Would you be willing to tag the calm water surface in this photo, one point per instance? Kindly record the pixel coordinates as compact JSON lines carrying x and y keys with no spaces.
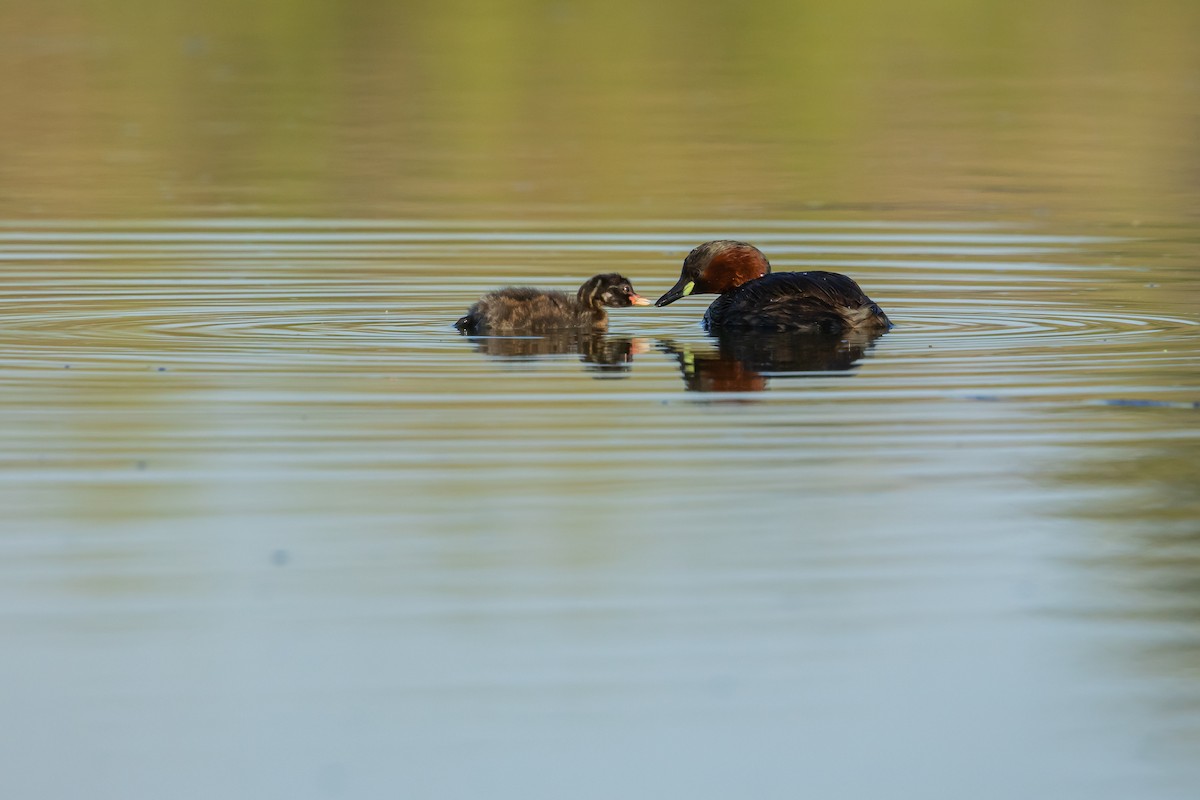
{"x":273,"y":528}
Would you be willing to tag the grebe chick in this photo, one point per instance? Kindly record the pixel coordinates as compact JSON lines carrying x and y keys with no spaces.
{"x":521,"y":310}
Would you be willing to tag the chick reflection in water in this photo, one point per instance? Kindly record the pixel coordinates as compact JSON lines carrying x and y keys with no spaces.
{"x":743,"y":361}
{"x":611,"y":355}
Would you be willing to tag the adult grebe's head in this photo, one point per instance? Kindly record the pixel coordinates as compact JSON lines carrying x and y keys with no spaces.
{"x":717,"y":267}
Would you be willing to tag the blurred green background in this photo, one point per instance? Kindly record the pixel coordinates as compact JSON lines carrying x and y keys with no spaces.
{"x":1085,"y":110}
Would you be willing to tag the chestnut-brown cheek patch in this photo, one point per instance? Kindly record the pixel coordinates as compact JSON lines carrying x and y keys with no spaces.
{"x":732,"y":269}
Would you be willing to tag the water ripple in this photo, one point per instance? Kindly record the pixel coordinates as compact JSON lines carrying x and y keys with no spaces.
{"x":998,"y":323}
{"x":328,"y":295}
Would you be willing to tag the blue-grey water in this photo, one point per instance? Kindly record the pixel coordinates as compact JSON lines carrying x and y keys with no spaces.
{"x":273,"y":529}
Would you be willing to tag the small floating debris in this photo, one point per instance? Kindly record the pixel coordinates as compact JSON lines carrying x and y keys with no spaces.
{"x":1129,"y":402}
{"x":1115,"y":402}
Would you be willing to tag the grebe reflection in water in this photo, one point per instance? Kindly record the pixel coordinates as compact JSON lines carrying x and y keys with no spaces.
{"x":743,"y":361}
{"x":600,"y":352}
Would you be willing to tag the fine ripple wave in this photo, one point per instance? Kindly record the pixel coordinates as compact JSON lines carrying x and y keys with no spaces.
{"x":346,"y":295}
